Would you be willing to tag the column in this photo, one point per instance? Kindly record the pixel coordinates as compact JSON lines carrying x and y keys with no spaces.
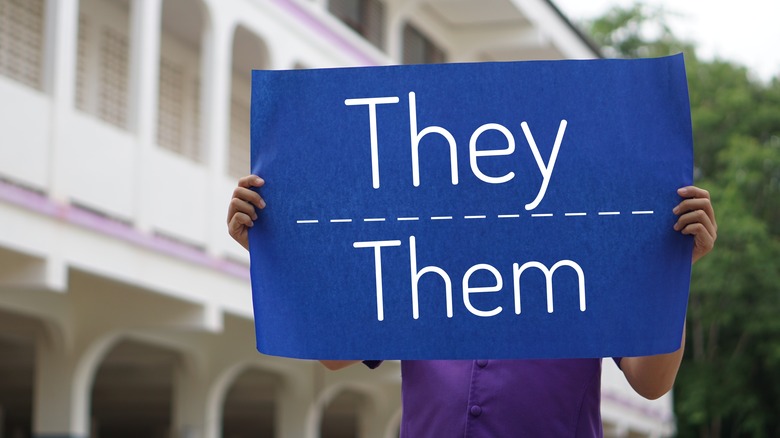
{"x":189,"y":405}
{"x":397,"y":13}
{"x":145,"y":28}
{"x":294,"y":403}
{"x":61,"y":30}
{"x":59,"y":410}
{"x":216,"y":68}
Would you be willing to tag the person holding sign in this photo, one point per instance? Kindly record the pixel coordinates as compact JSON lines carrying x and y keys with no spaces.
{"x":506,"y":398}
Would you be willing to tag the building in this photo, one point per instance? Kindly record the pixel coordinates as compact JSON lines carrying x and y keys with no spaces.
{"x":125,"y":308}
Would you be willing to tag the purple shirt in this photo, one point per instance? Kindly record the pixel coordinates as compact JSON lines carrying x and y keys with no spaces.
{"x":501,"y":398}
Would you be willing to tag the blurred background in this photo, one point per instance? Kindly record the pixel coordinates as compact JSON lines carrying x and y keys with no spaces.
{"x":125,"y":309}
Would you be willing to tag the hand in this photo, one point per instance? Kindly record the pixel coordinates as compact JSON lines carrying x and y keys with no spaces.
{"x":241,"y":212}
{"x":697,"y":218}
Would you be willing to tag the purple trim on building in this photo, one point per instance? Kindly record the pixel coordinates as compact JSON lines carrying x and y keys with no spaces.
{"x":307,"y":19}
{"x":627,"y":403}
{"x":39,"y":203}
{"x":58,"y":436}
{"x":64,"y":435}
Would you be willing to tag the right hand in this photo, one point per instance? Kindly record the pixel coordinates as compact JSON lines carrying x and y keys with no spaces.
{"x":241,"y":212}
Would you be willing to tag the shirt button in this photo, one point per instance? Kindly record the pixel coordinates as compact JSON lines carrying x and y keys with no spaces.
{"x":482,"y":363}
{"x":476,"y":411}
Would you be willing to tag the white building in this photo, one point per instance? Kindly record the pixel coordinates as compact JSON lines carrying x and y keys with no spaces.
{"x":125,"y":309}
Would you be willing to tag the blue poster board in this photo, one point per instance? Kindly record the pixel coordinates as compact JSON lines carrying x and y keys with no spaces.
{"x":461,"y":211}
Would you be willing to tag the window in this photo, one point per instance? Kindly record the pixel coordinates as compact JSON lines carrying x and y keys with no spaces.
{"x":365,"y":17}
{"x":22,"y":41}
{"x":102,"y":68}
{"x":178,"y":121}
{"x":420,"y":50}
{"x":113,"y":79}
{"x":82,"y":100}
{"x":238,"y":158}
{"x":170,"y":122}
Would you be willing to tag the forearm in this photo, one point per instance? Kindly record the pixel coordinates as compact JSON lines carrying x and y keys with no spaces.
{"x":653,"y":376}
{"x":334,"y":365}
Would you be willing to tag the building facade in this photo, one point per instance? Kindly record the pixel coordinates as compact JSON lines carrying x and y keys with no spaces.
{"x":125,"y":308}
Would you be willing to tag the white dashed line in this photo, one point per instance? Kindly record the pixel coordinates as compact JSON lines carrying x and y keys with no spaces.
{"x":480,"y":216}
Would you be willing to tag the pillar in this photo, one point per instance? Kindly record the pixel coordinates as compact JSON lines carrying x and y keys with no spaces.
{"x":216,"y":68}
{"x":145,"y":29}
{"x":61,"y":38}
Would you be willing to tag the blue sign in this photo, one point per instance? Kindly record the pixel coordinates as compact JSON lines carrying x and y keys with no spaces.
{"x":461,"y":211}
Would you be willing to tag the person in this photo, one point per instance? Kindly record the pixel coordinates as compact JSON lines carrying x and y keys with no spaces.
{"x":510,"y":398}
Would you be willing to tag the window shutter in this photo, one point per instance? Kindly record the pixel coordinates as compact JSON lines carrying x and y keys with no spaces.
{"x":374,"y":22}
{"x":82,"y":63}
{"x":238,"y":159}
{"x":22,"y":41}
{"x":418,"y":49}
{"x":171,"y":106}
{"x":365,"y":17}
{"x":112,"y":106}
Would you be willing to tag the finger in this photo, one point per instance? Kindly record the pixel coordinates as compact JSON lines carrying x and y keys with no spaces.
{"x":700,"y":199}
{"x":239,"y":206}
{"x":693,"y":192}
{"x":703,"y":240}
{"x":237,"y":228}
{"x":250,"y":196}
{"x":238,"y":223}
{"x":693,"y":204}
{"x":251,"y":181}
{"x":696,"y":217}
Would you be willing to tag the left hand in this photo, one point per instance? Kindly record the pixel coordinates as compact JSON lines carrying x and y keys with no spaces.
{"x":696,"y":217}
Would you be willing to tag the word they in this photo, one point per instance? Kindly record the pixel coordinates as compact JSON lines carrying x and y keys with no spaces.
{"x":474,"y":154}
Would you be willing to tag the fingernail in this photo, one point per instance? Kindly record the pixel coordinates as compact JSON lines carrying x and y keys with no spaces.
{"x":675,"y":210}
{"x":262,"y":204}
{"x":682,"y":191}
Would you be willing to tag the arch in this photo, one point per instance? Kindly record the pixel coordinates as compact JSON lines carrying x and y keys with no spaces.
{"x":19,"y":335}
{"x":316,"y":409}
{"x":342,"y":416}
{"x":222,"y":383}
{"x":133,"y":390}
{"x":95,"y":353}
{"x":83,"y":376}
{"x":251,"y":404}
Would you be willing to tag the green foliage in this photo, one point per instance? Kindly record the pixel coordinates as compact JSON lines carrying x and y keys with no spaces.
{"x":624,"y":33}
{"x":729,"y":382}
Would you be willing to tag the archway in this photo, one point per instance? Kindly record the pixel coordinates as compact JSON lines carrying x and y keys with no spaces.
{"x":132,"y":392}
{"x":250,"y":407}
{"x":341,"y":417}
{"x":17,"y":373}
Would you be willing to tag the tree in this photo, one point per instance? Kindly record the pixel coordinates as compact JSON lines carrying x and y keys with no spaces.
{"x":729,"y":382}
